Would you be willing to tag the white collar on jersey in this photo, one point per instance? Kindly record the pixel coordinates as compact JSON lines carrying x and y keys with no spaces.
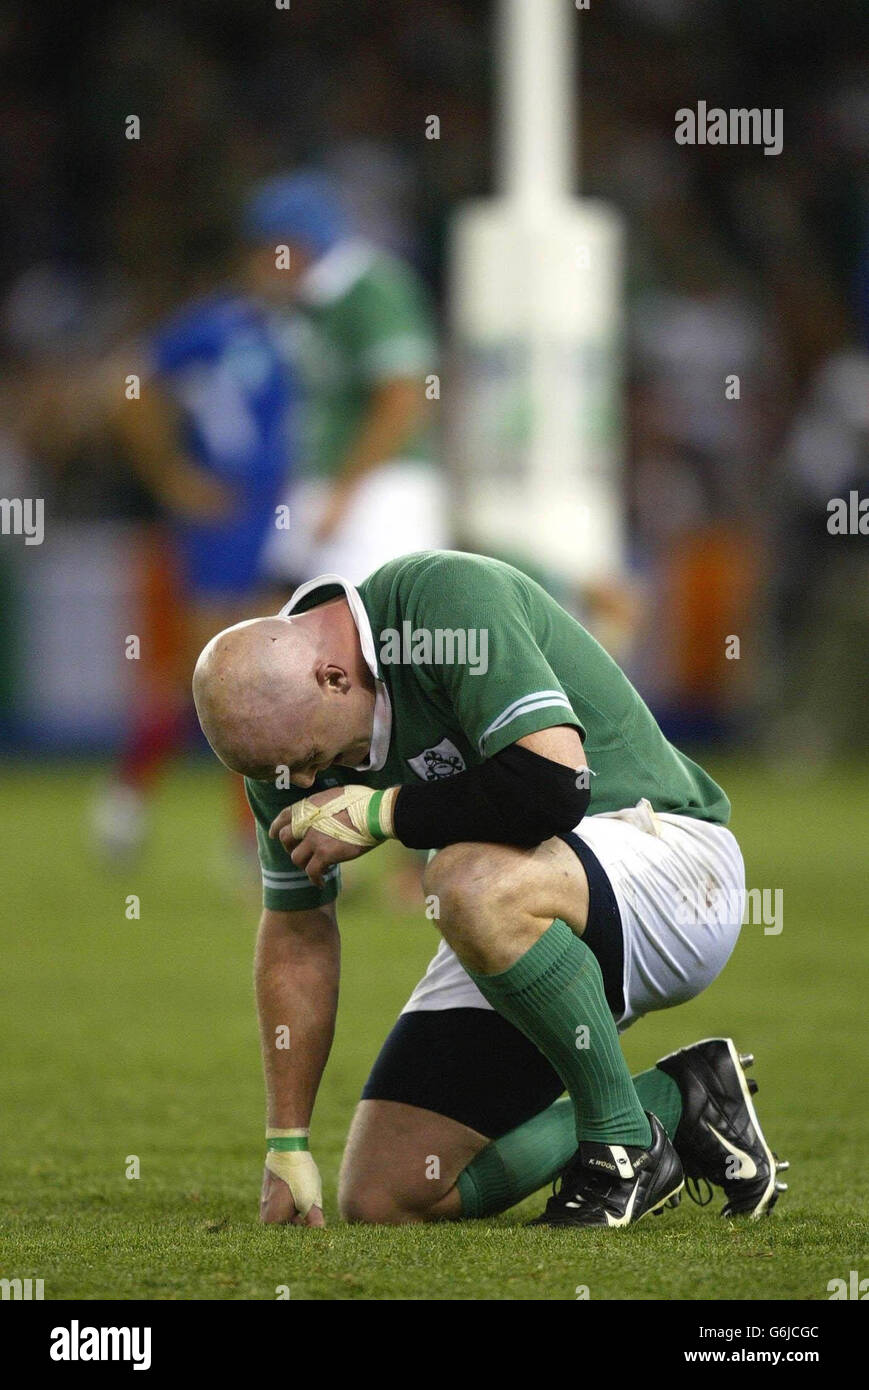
{"x":381,"y":732}
{"x":336,"y":272}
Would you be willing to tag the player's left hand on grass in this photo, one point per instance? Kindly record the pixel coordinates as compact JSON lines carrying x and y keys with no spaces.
{"x":280,"y":1204}
{"x":313,"y":848}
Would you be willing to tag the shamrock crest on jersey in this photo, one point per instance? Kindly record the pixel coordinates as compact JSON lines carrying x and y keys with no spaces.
{"x":441,"y":761}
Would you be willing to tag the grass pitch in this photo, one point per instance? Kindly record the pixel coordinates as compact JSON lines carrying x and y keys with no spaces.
{"x":125,"y":1037}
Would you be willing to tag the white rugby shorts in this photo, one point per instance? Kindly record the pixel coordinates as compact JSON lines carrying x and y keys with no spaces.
{"x":397,"y":508}
{"x":680,"y":888}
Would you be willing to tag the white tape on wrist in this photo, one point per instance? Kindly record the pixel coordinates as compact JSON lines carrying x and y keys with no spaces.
{"x":356,"y":801}
{"x":299,"y":1171}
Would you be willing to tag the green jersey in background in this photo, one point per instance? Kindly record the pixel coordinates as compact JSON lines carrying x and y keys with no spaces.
{"x":364,"y":319}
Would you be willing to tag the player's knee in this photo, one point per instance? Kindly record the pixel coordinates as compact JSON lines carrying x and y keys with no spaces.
{"x":467,"y":879}
{"x":369,"y":1208}
{"x":373,"y":1204}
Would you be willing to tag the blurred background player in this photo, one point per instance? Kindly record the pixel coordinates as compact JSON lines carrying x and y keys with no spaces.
{"x":209,"y":436}
{"x":736,"y":265}
{"x":367,"y":487}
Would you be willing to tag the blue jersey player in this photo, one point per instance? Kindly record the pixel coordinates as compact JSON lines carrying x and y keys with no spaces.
{"x":211,"y":436}
{"x":217,"y":362}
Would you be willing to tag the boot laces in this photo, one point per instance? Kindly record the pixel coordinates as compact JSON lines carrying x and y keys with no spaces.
{"x":596,"y":1187}
{"x":692,"y":1187}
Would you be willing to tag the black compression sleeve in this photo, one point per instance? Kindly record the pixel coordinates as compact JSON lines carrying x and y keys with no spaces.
{"x":515,"y":798}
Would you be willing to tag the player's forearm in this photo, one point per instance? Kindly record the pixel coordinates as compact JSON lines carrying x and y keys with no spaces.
{"x":523,"y":795}
{"x":296,"y":972}
{"x":149,"y":430}
{"x":394,"y":414}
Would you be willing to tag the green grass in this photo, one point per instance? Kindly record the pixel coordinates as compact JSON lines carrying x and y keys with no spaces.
{"x":128,"y":1037}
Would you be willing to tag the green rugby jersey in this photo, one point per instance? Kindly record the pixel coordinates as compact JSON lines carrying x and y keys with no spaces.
{"x":470,"y":655}
{"x":365,"y":319}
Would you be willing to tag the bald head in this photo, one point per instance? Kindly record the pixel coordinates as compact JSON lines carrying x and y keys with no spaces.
{"x":273,"y":692}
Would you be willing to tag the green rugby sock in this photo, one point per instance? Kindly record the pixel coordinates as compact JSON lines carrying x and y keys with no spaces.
{"x":519,"y":1163}
{"x":659,"y":1093}
{"x":554,"y":995}
{"x":512,"y":1167}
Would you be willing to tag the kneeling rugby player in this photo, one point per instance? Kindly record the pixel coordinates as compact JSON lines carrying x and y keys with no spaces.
{"x":569,"y":835}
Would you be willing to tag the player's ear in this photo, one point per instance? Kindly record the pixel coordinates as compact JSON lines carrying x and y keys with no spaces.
{"x":332,"y":678}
